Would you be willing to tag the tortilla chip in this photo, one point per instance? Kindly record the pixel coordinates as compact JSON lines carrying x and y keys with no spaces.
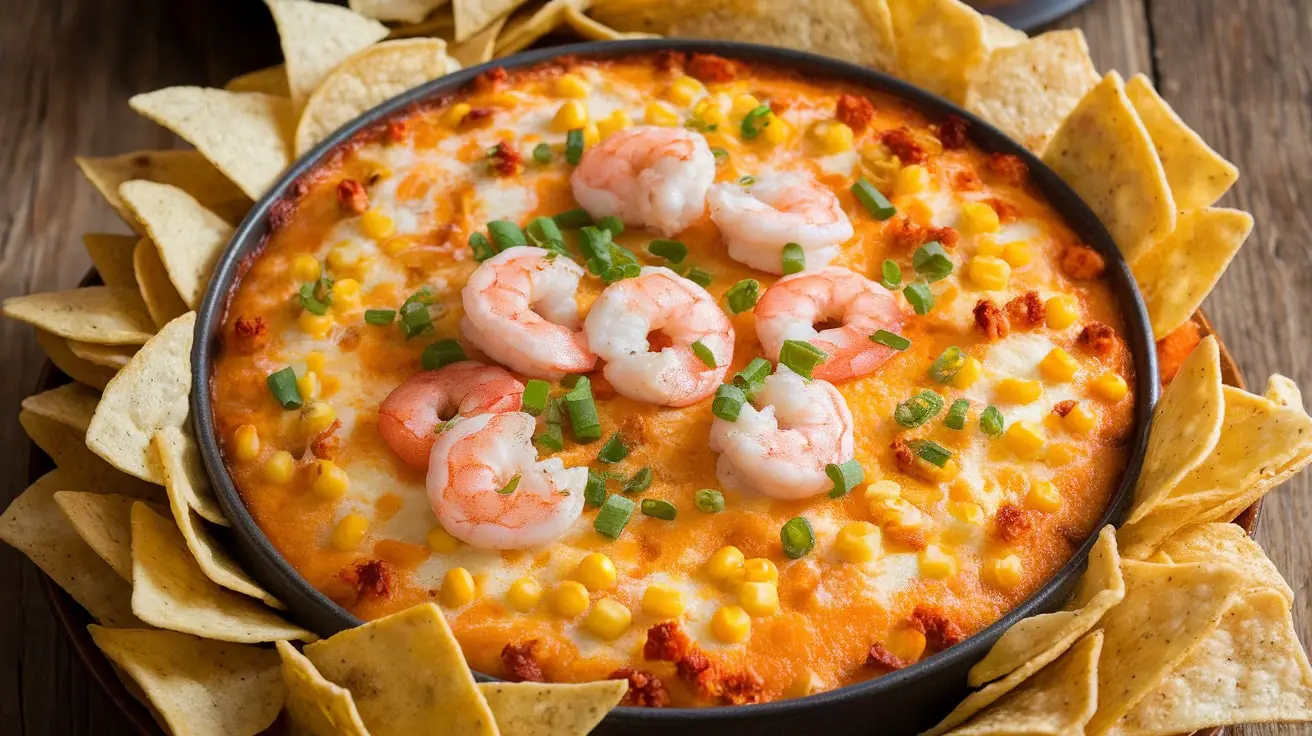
{"x":186,"y":170}
{"x":113,"y":357}
{"x":1104,"y":153}
{"x":549,"y":709}
{"x":107,"y":315}
{"x":157,"y":291}
{"x":79,"y":369}
{"x":149,"y":394}
{"x":999,"y":35}
{"x":1058,"y":700}
{"x":407,"y":675}
{"x":1028,"y":89}
{"x":526,"y":27}
{"x":478,"y":48}
{"x":104,"y":522}
{"x":592,"y":30}
{"x":188,"y":236}
{"x":439,"y":23}
{"x":246,"y":135}
{"x":404,"y":11}
{"x":1230,"y":544}
{"x":1198,"y":175}
{"x":34,"y":525}
{"x":1186,"y":425}
{"x":315,"y":38}
{"x":473,"y":16}
{"x":1177,"y":272}
{"x":271,"y":80}
{"x":1250,"y":669}
{"x":315,"y":705}
{"x":169,"y":590}
{"x":1283,"y":391}
{"x":184,"y":474}
{"x":111,"y":255}
{"x":198,"y":687}
{"x":940,"y":44}
{"x":83,"y":469}
{"x":367,"y":79}
{"x":71,"y":404}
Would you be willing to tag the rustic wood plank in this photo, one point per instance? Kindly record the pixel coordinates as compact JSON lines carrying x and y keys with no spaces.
{"x":1118,"y":34}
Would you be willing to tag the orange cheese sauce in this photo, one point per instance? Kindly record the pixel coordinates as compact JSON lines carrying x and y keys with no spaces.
{"x":431,"y":187}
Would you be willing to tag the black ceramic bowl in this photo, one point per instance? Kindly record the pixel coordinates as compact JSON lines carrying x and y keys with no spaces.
{"x":903,"y":702}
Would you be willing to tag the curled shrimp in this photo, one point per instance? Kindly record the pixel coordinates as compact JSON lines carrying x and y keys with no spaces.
{"x":520,"y":310}
{"x":781,"y":449}
{"x":792,"y":307}
{"x":778,"y":208}
{"x":408,"y":418}
{"x":658,"y":300}
{"x":648,"y":176}
{"x":488,"y":488}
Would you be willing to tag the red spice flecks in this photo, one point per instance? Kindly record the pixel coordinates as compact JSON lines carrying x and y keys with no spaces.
{"x":1062,"y":408}
{"x":1012,"y":523}
{"x":1009,"y":168}
{"x":939,"y":630}
{"x":520,"y":662}
{"x":505,"y":159}
{"x":251,"y":333}
{"x":883,"y":660}
{"x":854,"y":111}
{"x":371,"y":579}
{"x":710,"y":68}
{"x":904,"y":145}
{"x":954,"y":132}
{"x":490,"y":80}
{"x":352,"y":198}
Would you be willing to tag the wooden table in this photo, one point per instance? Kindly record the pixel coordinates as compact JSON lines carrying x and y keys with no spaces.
{"x":1236,"y":70}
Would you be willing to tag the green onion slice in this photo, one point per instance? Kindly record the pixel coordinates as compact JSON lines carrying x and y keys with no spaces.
{"x":947,"y":365}
{"x":613,"y":516}
{"x":890,"y":274}
{"x":728,"y":402}
{"x":379,"y":316}
{"x":594,"y":242}
{"x":536,"y":392}
{"x":890,"y":340}
{"x":640,"y":481}
{"x":574,"y":146}
{"x":612,"y":223}
{"x":991,"y":421}
{"x":594,"y":492}
{"x":845,"y":476}
{"x":742,"y":296}
{"x":442,"y":352}
{"x":613,"y":451}
{"x":931,"y":452}
{"x":709,"y":501}
{"x":506,"y":234}
{"x":918,"y":409}
{"x":801,"y":357}
{"x":582,"y":410}
{"x":920,"y":297}
{"x":794,"y":259}
{"x":956,"y":418}
{"x":704,"y":353}
{"x":550,"y":438}
{"x":747,"y":180}
{"x":555,"y":410}
{"x":482,"y":247}
{"x":699,"y":277}
{"x":875,"y":203}
{"x":932,"y":262}
{"x":315,"y":296}
{"x":659,"y":509}
{"x":798,"y":537}
{"x":721,"y":155}
{"x":573,"y":219}
{"x":542,"y":153}
{"x":510,"y":487}
{"x":750,"y":378}
{"x":282,"y":384}
{"x":543,"y":232}
{"x":756,"y":121}
{"x":671,"y":250}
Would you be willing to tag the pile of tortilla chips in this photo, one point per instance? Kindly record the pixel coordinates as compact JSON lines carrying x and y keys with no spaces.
{"x":1180,"y":622}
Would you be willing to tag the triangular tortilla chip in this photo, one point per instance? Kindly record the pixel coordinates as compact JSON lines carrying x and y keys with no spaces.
{"x":79,"y":369}
{"x":585,"y":27}
{"x":111,"y":255}
{"x":550,"y":709}
{"x":186,"y":170}
{"x":113,"y":357}
{"x":198,"y":687}
{"x":439,"y":23}
{"x":1177,"y":272}
{"x":1197,"y":174}
{"x":246,"y":135}
{"x":184,"y":474}
{"x":524,"y":28}
{"x":188,"y":236}
{"x":1230,"y":544}
{"x":162,"y":299}
{"x":473,"y":16}
{"x":71,"y":404}
{"x":315,"y":38}
{"x":101,"y":314}
{"x":315,"y":705}
{"x":940,"y":44}
{"x":66,"y":445}
{"x":404,"y":11}
{"x":999,"y":35}
{"x":271,"y":80}
{"x":1104,"y":153}
{"x":104,"y":522}
{"x":1283,"y":391}
{"x":479,"y":47}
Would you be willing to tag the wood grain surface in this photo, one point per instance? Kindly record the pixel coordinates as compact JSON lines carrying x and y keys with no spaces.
{"x":1237,"y":70}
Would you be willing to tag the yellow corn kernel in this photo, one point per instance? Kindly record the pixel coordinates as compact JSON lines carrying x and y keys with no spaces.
{"x":931,"y":473}
{"x":966,"y":511}
{"x":968,"y":374}
{"x":591,"y":134}
{"x":376,"y":224}
{"x":595,"y":571}
{"x":912,"y":179}
{"x":759,"y":599}
{"x":524,"y":594}
{"x":613,"y":123}
{"x":897,"y":513}
{"x":662,"y":601}
{"x":306,"y":268}
{"x":1018,"y":391}
{"x":987,"y":245}
{"x":503,"y":99}
{"x":709,"y":111}
{"x":906,"y":643}
{"x":979,"y":217}
{"x":760,"y":570}
{"x":1059,"y":454}
{"x":315,"y":325}
{"x":572,"y":85}
{"x":457,"y":588}
{"x":349,"y":532}
{"x":1018,"y":253}
{"x":858,"y":541}
{"x":440,"y":541}
{"x":346,"y":289}
{"x":569,"y":599}
{"x":279,"y":467}
{"x":1061,"y":311}
{"x":1058,"y":366}
{"x":882,"y":490}
{"x":731,"y":624}
{"x":937,"y":564}
{"x":316,"y":417}
{"x":684,"y":90}
{"x":456,"y":113}
{"x":659,"y":113}
{"x":572,"y":114}
{"x":1023,"y":439}
{"x":989,"y":273}
{"x":608,"y":619}
{"x":330,"y":481}
{"x":398,"y":244}
{"x":1108,"y":387}
{"x":308,"y":385}
{"x":1004,"y":572}
{"x":726,"y":564}
{"x":776,"y":131}
{"x":246,"y":443}
{"x":1079,"y":420}
{"x":804,"y":683}
{"x":315,"y":361}
{"x":743,"y":104}
{"x":344,"y":256}
{"x":1043,"y":496}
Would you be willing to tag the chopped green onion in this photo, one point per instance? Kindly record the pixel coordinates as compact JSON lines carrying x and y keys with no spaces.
{"x":555,"y":410}
{"x":991,"y":421}
{"x":612,"y":223}
{"x":794,"y":259}
{"x":931,"y":452}
{"x":510,"y":487}
{"x":700,"y":125}
{"x":918,"y":409}
{"x":704,"y":353}
{"x":797,"y":537}
{"x":728,"y":402}
{"x":698,"y":276}
{"x":891,"y":274}
{"x":582,"y":410}
{"x":542,"y":153}
{"x":920,"y":297}
{"x":721,"y":155}
{"x":380,"y":316}
{"x":574,"y":146}
{"x":536,"y":392}
{"x":932,"y":262}
{"x":543,"y":231}
{"x":282,"y":384}
{"x":594,"y":492}
{"x":640,"y":481}
{"x":875,"y":203}
{"x":752,"y":377}
{"x":482,"y":247}
{"x":415,"y":320}
{"x":845,"y":476}
{"x":756,"y":121}
{"x":573,"y":219}
{"x":956,"y":418}
{"x":671,"y":250}
{"x":946,"y":366}
{"x":709,"y":501}
{"x":315,"y":296}
{"x":442,"y":352}
{"x":890,"y":340}
{"x":506,"y":234}
{"x":594,"y":242}
{"x":801,"y":357}
{"x":659,"y":509}
{"x":612,"y":517}
{"x":550,"y":438}
{"x":571,"y":379}
{"x":619,"y":273}
{"x":613,"y":451}
{"x":742,"y":296}
{"x":747,"y":180}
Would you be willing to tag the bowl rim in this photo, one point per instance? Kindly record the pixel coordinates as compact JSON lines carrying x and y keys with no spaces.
{"x":250,"y":235}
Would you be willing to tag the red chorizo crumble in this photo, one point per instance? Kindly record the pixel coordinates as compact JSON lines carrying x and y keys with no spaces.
{"x":352,"y":197}
{"x":490,"y":80}
{"x":741,"y":687}
{"x":710,"y":68}
{"x":1012,"y":523}
{"x":882,"y":659}
{"x":1097,"y":338}
{"x":645,"y":690}
{"x":967,"y":180}
{"x":326,"y":443}
{"x":907,"y":235}
{"x":1062,"y":408}
{"x":251,"y":333}
{"x":904,"y":145}
{"x":1008,"y":167}
{"x":667,"y":642}
{"x":1173,"y":349}
{"x":670,"y":61}
{"x":854,"y":111}
{"x":520,"y":662}
{"x":371,"y":579}
{"x":1007,"y":212}
{"x":477,"y":118}
{"x":1082,"y":263}
{"x":505,"y":159}
{"x":990,"y":320}
{"x":940,"y":631}
{"x":779,"y":106}
{"x":911,"y":537}
{"x":953,"y":132}
{"x":1025,"y":310}
{"x":903,"y":454}
{"x":396,"y":130}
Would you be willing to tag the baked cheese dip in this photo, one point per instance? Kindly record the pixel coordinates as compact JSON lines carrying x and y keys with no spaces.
{"x":736,"y":383}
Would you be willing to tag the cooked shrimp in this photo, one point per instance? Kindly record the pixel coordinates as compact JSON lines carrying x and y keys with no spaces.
{"x":409,"y":416}
{"x":488,"y":488}
{"x":520,"y":310}
{"x":778,"y":208}
{"x":781,"y":449}
{"x":626,"y":314}
{"x":792,"y":307}
{"x":648,"y":176}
